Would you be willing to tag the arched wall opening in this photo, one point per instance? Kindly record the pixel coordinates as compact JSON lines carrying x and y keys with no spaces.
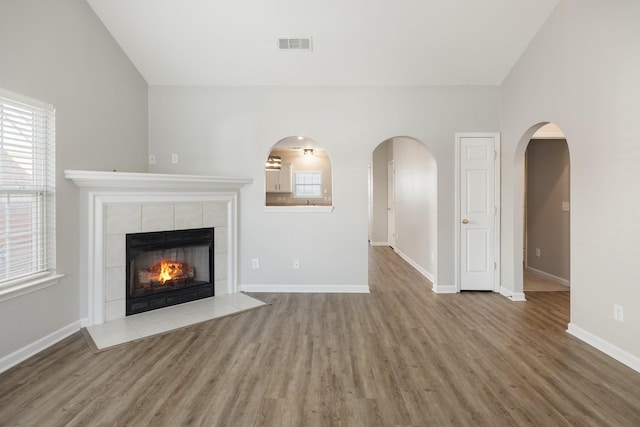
{"x":403,"y":202}
{"x":542,"y":230}
{"x":298,"y":172}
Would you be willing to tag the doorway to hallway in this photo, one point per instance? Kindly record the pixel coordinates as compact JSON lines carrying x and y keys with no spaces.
{"x":546,"y":212}
{"x":403,"y":202}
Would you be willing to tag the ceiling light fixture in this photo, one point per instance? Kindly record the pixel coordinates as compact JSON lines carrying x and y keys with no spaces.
{"x":308,"y":152}
{"x":274,"y":163}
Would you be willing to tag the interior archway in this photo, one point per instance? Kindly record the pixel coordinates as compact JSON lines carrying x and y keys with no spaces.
{"x":298,"y":173}
{"x":403,"y":202}
{"x":543,"y":228}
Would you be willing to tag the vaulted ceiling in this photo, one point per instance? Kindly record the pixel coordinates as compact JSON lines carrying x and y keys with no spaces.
{"x":355,"y":42}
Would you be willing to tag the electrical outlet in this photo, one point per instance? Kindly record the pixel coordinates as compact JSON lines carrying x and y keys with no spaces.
{"x":152,"y":159}
{"x":255,"y":263}
{"x":618,"y":313}
{"x":538,"y":252}
{"x":174,"y":158}
{"x":296,"y":264}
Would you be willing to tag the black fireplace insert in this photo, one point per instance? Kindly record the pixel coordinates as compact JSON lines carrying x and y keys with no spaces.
{"x":168,"y":267}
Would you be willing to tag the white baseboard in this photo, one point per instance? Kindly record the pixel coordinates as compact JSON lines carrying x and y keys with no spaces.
{"x":551,"y":277}
{"x":316,"y":289}
{"x":606,"y":347}
{"x":513,"y":296}
{"x":378,"y":243}
{"x":415,"y":265}
{"x":439,"y":289}
{"x":29,"y":350}
{"x":84,"y":322}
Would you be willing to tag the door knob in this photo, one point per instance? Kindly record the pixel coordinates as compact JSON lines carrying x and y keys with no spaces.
{"x":465,"y":221}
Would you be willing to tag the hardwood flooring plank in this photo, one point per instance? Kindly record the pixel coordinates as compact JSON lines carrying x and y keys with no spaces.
{"x":399,"y":356}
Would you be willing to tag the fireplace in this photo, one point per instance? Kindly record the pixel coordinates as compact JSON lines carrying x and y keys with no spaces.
{"x":114,"y":204}
{"x":168,"y":267}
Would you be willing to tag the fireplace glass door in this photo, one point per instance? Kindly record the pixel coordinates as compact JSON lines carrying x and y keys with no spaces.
{"x":167,"y":268}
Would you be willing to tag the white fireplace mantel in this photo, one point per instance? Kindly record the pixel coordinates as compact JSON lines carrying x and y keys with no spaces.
{"x":147,"y":181}
{"x":99,"y":190}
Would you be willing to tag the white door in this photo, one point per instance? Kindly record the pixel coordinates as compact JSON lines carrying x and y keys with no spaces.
{"x":477,"y":211}
{"x":391,"y":217}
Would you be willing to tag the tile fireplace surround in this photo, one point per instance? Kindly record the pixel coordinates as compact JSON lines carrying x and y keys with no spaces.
{"x":113,"y":204}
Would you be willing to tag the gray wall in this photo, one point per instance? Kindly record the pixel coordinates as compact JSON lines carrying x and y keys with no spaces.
{"x":416,"y":200}
{"x":416,"y":203}
{"x":547,"y":166}
{"x":380,"y":159}
{"x":581,"y":73}
{"x":229,"y":131}
{"x":59,"y":52}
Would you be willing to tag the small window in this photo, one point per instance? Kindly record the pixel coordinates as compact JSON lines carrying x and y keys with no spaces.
{"x":308,"y":184}
{"x":27,"y":190}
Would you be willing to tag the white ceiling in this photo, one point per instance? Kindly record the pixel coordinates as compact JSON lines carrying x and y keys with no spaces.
{"x":355,"y":42}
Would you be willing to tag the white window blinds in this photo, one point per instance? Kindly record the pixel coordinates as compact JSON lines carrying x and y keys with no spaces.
{"x":27,"y":189}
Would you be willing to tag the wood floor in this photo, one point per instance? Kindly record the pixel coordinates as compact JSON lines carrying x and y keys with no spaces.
{"x":400,"y":356}
{"x":538,"y":283}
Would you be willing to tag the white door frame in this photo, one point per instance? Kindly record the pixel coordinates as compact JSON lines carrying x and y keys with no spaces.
{"x":459,"y":136}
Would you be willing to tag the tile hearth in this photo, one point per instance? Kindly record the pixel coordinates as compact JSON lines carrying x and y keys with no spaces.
{"x":131,"y":328}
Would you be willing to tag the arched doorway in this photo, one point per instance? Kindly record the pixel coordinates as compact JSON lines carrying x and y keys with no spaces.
{"x":545,"y":219}
{"x":403,"y":202}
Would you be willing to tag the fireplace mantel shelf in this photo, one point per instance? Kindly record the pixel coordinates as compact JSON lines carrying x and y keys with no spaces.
{"x":137,"y":180}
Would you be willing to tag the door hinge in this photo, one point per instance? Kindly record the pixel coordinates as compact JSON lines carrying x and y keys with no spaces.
{"x":495,"y":210}
{"x":495,"y":265}
{"x":495,"y":154}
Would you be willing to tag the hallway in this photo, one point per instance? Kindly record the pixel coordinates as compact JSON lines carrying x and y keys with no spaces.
{"x":533,"y":282}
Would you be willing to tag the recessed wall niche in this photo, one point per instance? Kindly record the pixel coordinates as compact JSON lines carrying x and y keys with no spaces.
{"x":298,"y":173}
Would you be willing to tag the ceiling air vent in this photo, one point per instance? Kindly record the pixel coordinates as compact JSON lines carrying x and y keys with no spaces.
{"x":295,"y":44}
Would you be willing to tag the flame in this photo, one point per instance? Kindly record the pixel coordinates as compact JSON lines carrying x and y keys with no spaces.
{"x":168,"y":270}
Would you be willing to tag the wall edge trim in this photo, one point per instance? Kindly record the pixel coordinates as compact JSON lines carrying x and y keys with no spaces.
{"x":22,"y":354}
{"x":549,"y":276}
{"x":415,"y":265}
{"x":305,"y":288}
{"x":513,"y":296}
{"x":439,"y":289}
{"x":604,"y":346}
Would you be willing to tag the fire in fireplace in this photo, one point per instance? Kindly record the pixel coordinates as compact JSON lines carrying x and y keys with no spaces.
{"x":165,"y":274}
{"x":168,"y":267}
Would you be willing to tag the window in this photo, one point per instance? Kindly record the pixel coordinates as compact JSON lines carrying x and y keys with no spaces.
{"x":308,"y":184}
{"x":27,"y":192}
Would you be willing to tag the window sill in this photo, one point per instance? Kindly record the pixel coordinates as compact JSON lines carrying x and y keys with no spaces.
{"x":29,"y":286}
{"x":299,"y":209}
